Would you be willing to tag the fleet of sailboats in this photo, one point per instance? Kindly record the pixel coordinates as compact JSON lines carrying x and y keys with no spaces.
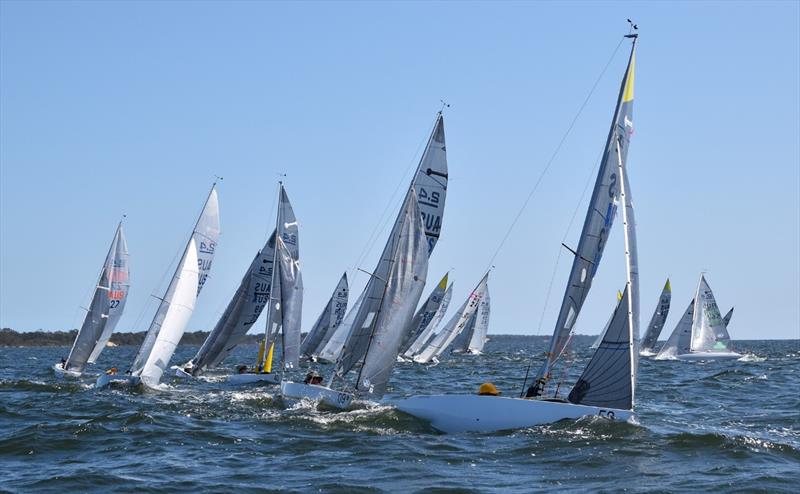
{"x":386,"y":324}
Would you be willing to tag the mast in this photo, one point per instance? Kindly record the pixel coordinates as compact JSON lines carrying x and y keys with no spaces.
{"x":597,"y":224}
{"x":272,"y":298}
{"x":629,"y":274}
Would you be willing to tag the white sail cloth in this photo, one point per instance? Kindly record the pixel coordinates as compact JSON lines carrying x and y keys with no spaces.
{"x":430,"y":328}
{"x":422,"y":318}
{"x":327,"y":322}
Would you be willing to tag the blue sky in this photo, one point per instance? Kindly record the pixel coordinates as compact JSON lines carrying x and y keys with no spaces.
{"x":113,"y":107}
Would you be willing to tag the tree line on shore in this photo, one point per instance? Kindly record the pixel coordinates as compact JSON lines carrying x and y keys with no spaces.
{"x":11,"y":338}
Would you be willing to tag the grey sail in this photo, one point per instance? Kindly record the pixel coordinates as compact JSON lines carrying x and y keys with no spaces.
{"x":727,"y":319}
{"x":455,"y":326}
{"x":657,"y":321}
{"x":292,"y":305}
{"x":118,"y":282}
{"x":328,"y":321}
{"x":205,"y":236}
{"x":429,"y":187}
{"x":597,"y":223}
{"x":404,"y":285}
{"x":330,"y":351}
{"x":708,"y":330}
{"x":680,"y":341}
{"x":425,"y":313}
{"x":461,"y":342}
{"x":92,"y":327}
{"x":481,"y":326}
{"x":431,"y":326}
{"x":241,"y":313}
{"x":606,"y":381}
{"x":286,"y":287}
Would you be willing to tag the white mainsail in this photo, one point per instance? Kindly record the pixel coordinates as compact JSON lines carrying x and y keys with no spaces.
{"x":709,"y":333}
{"x":118,"y":285}
{"x":241,"y":313}
{"x":328,"y":321}
{"x":456,"y":324}
{"x":680,"y":341}
{"x":200,"y":248}
{"x":429,"y":331}
{"x":333,"y":348}
{"x":404,"y":285}
{"x":481,"y":325}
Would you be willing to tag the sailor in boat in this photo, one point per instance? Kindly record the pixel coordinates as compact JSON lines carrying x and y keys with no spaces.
{"x":242,"y":369}
{"x":63,"y":362}
{"x":488,"y":389}
{"x":536,"y":389}
{"x":312,"y":378}
{"x":112,"y":371}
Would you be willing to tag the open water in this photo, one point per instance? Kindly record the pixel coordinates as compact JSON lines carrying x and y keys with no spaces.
{"x":716,"y":427}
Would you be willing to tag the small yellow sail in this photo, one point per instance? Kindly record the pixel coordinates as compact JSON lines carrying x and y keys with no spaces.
{"x":268,"y":361}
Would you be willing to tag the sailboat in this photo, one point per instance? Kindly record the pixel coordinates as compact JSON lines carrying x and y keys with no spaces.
{"x":656,"y":322}
{"x":348,"y":344}
{"x":428,"y":331}
{"x":608,"y":383}
{"x":108,"y":302}
{"x":727,"y":319}
{"x":702,"y":333}
{"x":327,"y":322}
{"x":473,"y":338}
{"x":455,"y":326}
{"x":241,"y":313}
{"x":602,"y":334}
{"x":177,"y":304}
{"x":403,"y":268}
{"x":425,"y":314}
{"x":284,"y":308}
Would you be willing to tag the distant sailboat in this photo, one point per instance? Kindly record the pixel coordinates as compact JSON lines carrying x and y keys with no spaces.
{"x":104,"y":312}
{"x":602,"y":334}
{"x":429,"y":329}
{"x":702,"y":333}
{"x":727,"y":319}
{"x":473,"y":337}
{"x":177,"y":305}
{"x":327,"y":322}
{"x":375,"y":343}
{"x":657,"y":321}
{"x":284,"y":308}
{"x":241,"y":313}
{"x":607,"y":386}
{"x":455,"y":326}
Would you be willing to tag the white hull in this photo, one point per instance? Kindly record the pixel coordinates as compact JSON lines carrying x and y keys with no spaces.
{"x":473,"y":413}
{"x":180,"y":373}
{"x":709,"y":356}
{"x":60,"y":372}
{"x":117,"y":380}
{"x":293,"y":391}
{"x":647,"y":353}
{"x":251,"y":378}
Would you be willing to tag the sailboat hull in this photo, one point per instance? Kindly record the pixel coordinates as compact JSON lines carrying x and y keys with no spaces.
{"x":709,"y":356}
{"x":293,"y":391}
{"x":474,"y":413}
{"x":61,"y":372}
{"x":252,"y":378}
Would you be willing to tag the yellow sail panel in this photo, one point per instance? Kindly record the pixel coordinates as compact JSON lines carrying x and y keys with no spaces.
{"x":667,"y":286}
{"x":268,"y":361}
{"x":443,"y":283}
{"x":260,"y":357}
{"x":628,"y":94}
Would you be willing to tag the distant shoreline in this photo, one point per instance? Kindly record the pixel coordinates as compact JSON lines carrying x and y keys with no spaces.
{"x":12,"y":338}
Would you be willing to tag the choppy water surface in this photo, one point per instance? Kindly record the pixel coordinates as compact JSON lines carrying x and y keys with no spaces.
{"x":716,"y":426}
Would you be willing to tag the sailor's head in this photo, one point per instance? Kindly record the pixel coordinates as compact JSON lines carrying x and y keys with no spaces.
{"x":488,"y":389}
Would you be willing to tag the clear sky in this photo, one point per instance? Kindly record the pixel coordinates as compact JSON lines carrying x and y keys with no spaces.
{"x":132,"y":107}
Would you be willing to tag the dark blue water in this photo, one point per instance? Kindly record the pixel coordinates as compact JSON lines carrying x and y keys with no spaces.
{"x":717,"y":426}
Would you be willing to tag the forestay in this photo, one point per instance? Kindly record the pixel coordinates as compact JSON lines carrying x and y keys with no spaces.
{"x":408,"y":269}
{"x":597,"y":224}
{"x":425,"y":313}
{"x":659,"y":318}
{"x":456,"y":324}
{"x":328,"y":321}
{"x":430,"y":328}
{"x":205,"y":236}
{"x":116,"y":266}
{"x":241,"y":313}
